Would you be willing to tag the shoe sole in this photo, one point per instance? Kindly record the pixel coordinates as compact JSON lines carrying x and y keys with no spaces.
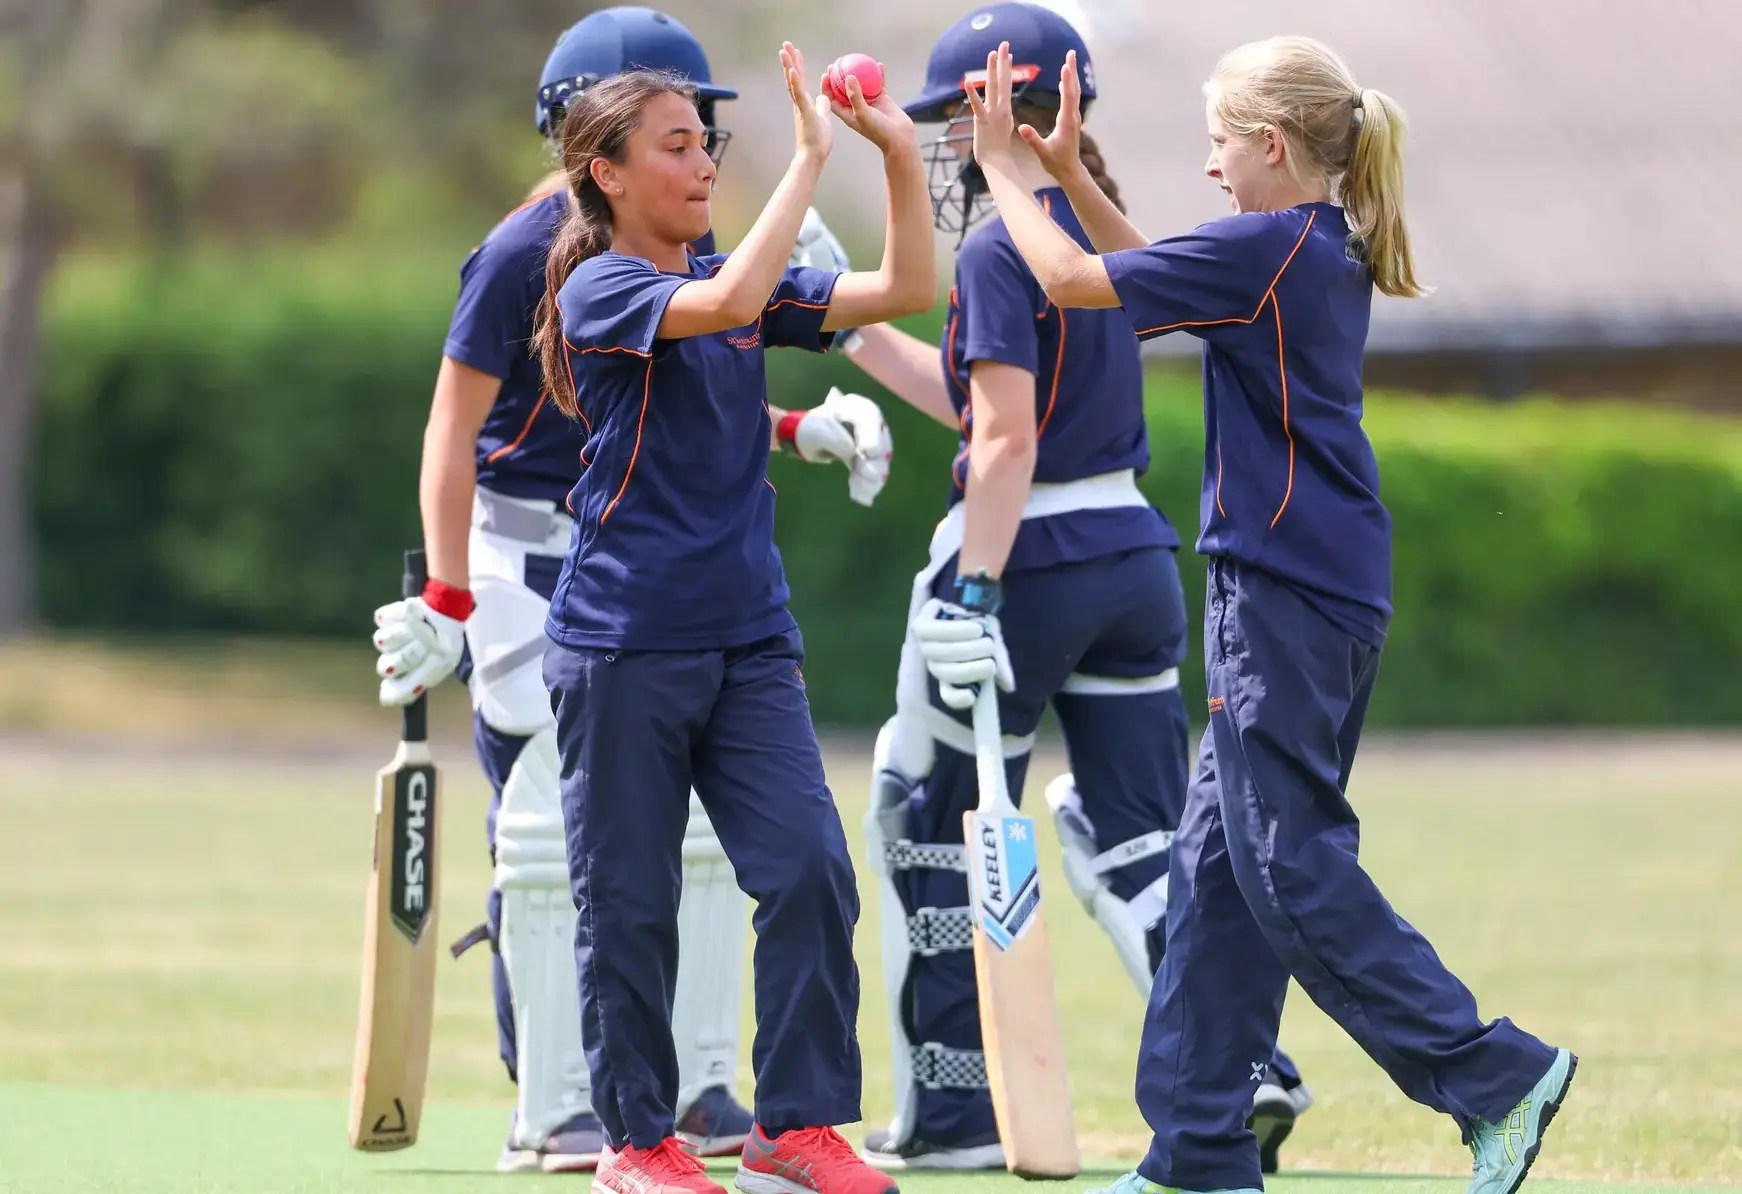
{"x":568,"y":1162}
{"x":982,"y":1157}
{"x":751,"y":1181}
{"x":1272,"y":1129}
{"x":1549,"y":1109}
{"x":520,"y":1160}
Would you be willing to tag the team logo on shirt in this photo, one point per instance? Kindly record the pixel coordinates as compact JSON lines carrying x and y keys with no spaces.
{"x":753,"y":340}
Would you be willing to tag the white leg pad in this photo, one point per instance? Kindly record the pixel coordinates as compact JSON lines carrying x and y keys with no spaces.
{"x":537,"y":942}
{"x":713,"y":920}
{"x":904,"y":743}
{"x":1126,"y":922}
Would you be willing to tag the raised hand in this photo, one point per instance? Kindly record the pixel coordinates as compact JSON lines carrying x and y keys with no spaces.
{"x":814,"y":135}
{"x":1061,"y":150}
{"x":994,"y":123}
{"x":879,"y":121}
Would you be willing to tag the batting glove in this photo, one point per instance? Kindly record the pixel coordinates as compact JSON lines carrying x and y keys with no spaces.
{"x":963,"y":649}
{"x":846,"y":429}
{"x":420,"y":644}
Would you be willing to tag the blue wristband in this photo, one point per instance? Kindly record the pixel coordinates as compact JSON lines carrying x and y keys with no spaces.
{"x":979,"y":593}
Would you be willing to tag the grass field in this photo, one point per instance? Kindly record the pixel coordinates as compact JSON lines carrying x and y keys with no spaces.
{"x":180,"y":930}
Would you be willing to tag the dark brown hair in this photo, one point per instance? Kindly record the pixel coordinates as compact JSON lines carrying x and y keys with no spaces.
{"x":1044,"y":120}
{"x":597,"y":125}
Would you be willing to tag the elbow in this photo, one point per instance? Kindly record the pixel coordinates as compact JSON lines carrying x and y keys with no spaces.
{"x":1011,"y":450}
{"x":914,"y":292}
{"x":1064,"y":290}
{"x":736,"y":309}
{"x":1073,"y":284}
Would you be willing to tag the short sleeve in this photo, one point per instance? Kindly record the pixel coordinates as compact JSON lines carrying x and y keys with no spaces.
{"x":500,"y":285}
{"x":1216,"y":276}
{"x":614,"y":303}
{"x":795,"y":312}
{"x":999,"y":300}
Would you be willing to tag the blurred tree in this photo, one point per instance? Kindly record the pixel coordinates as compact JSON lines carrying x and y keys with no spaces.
{"x":57,"y":59}
{"x":159,"y":123}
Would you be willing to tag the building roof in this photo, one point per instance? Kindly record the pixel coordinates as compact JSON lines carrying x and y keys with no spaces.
{"x":1573,"y":178}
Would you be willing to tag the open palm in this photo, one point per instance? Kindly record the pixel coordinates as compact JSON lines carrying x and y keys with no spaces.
{"x":810,"y":120}
{"x":1060,"y":151}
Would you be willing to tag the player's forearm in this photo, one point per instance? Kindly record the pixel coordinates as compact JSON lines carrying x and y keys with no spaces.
{"x":446,"y":485}
{"x":907,"y":367}
{"x":1069,"y":276}
{"x":909,"y":262}
{"x":738,"y":293}
{"x":1108,"y":229}
{"x":907,"y":280}
{"x":1000,"y":472}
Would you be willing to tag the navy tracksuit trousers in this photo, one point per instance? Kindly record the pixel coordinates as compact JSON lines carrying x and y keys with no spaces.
{"x":635,"y":730}
{"x":1264,"y":883}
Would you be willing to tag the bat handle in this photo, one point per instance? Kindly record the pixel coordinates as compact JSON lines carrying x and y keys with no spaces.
{"x":415,"y":716}
{"x":989,"y":750}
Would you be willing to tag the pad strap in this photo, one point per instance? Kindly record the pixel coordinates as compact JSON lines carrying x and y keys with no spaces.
{"x":938,"y":1067}
{"x":905,"y":855}
{"x":1138,"y":848}
{"x":932,"y":931}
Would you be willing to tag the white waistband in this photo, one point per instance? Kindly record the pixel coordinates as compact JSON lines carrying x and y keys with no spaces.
{"x":532,"y":525}
{"x":1104,"y":491}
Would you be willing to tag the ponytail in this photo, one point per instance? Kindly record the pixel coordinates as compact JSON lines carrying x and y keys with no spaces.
{"x":1337,"y":133}
{"x":1372,"y":194}
{"x":585,"y":232}
{"x":597,"y":126}
{"x":1096,"y":165}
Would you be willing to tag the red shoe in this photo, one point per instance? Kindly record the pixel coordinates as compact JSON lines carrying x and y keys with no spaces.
{"x":663,"y":1169}
{"x":807,"y":1161}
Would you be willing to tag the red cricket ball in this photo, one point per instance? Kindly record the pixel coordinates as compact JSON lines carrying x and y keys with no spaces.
{"x":863,"y":67}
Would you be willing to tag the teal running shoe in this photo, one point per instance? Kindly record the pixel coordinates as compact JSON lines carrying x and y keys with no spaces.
{"x":1505,"y":1149}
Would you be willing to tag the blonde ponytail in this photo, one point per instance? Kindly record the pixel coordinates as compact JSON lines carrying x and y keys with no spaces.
{"x":1337,"y":133}
{"x":1372,"y":194}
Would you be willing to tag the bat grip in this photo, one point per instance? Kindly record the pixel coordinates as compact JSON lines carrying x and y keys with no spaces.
{"x":989,"y":749}
{"x":415,"y":716}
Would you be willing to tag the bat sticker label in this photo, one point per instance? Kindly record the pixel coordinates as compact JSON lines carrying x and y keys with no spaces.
{"x":413,"y":806}
{"x":1006,"y":877}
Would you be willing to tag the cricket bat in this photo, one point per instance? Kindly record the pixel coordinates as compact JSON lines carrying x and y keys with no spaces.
{"x":1019,"y":1023}
{"x":399,"y":935}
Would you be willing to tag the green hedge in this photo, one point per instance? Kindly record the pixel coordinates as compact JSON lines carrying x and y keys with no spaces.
{"x":233,"y":447}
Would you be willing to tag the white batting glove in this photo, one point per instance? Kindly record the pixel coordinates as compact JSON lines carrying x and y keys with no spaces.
{"x":962,"y":650}
{"x":419,"y":649}
{"x":817,"y":246}
{"x":846,"y":429}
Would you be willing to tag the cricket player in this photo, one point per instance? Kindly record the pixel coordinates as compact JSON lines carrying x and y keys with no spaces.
{"x":1264,"y":880}
{"x":674,"y":660}
{"x":499,"y":461}
{"x":1051,"y":559}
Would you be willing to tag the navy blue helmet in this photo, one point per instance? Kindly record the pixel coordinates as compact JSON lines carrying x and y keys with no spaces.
{"x":614,"y":40}
{"x":1039,"y":40}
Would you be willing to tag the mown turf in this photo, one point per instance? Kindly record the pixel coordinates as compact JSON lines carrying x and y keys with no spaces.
{"x":181,"y":934}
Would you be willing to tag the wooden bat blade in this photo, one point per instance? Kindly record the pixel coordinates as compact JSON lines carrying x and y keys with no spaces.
{"x":399,"y":957}
{"x":1019,"y":1022}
